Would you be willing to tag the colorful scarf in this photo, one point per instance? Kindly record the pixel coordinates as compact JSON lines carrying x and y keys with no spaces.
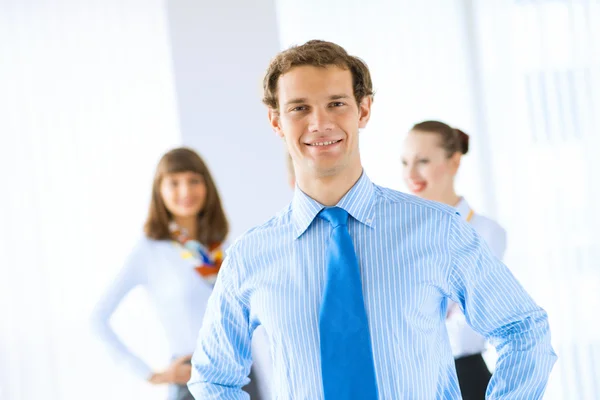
{"x":207,"y":260}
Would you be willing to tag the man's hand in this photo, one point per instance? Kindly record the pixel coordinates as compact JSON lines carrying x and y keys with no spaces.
{"x":178,"y":372}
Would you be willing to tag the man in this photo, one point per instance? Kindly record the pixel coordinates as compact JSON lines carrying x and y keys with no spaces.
{"x":351,"y":280}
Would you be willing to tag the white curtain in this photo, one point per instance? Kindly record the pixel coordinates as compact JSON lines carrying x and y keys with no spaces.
{"x":86,"y":108}
{"x":540,"y":63}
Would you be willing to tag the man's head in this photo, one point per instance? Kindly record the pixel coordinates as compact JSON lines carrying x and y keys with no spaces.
{"x":318,"y":98}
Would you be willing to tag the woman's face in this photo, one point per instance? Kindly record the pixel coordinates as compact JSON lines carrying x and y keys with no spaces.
{"x":183,"y":193}
{"x":427,"y":170}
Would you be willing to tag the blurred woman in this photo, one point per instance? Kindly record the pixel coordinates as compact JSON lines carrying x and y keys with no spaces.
{"x":176,"y":261}
{"x":431,"y":159}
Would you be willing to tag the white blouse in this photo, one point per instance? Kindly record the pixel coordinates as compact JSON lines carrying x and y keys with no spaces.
{"x":177,"y":292}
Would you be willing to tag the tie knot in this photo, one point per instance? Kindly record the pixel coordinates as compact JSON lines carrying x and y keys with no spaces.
{"x":335,"y":216}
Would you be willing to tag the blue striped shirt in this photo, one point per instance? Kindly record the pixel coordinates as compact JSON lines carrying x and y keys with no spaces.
{"x":414,"y":256}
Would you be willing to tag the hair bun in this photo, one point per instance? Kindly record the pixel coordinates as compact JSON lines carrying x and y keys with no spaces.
{"x":463,"y":141}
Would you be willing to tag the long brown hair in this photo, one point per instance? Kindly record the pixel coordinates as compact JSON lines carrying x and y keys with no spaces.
{"x":212,"y":222}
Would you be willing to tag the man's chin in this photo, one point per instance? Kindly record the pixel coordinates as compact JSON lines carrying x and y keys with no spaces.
{"x":328,"y":170}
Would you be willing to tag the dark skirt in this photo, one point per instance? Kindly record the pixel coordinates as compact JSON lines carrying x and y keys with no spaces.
{"x":473,"y":377}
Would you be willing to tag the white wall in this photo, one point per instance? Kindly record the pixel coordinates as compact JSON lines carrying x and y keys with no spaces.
{"x":86,"y":108}
{"x":221,"y":51}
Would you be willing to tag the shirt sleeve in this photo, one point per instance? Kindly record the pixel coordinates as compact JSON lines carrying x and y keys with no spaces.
{"x":222,"y":360}
{"x":497,"y":306}
{"x":132,"y":274}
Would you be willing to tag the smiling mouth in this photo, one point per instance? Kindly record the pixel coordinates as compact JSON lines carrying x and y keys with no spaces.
{"x":186,"y":203}
{"x":324,"y":143}
{"x":417,"y":187}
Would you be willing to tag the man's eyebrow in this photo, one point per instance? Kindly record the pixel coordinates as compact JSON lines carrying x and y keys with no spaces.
{"x":339,"y":97}
{"x":301,"y":100}
{"x":295,"y":101}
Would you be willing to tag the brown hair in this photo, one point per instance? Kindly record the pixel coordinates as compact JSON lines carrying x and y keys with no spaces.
{"x":453,"y":140}
{"x":212,"y":223}
{"x":317,"y":53}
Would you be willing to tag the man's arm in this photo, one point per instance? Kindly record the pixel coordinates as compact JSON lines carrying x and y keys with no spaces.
{"x":498,"y":307}
{"x":222,"y":360}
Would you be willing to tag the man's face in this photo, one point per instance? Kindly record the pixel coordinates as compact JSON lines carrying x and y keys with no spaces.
{"x":319,"y":119}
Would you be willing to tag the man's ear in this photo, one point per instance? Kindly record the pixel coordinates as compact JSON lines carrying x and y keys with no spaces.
{"x":364,"y":110}
{"x":275,"y":122}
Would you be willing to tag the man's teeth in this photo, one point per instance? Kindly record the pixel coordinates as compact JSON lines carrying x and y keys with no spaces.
{"x":325,"y":143}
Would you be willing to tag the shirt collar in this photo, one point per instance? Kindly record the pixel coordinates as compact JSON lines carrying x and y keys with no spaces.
{"x":463,"y":208}
{"x":358,"y":202}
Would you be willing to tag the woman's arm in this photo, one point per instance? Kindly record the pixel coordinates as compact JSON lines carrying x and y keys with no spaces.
{"x":132,"y":274}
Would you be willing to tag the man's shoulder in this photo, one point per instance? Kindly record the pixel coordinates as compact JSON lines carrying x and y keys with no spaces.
{"x":394,"y":198}
{"x":264,"y":233}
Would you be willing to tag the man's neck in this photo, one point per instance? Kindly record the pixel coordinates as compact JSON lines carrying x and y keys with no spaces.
{"x":329,"y":190}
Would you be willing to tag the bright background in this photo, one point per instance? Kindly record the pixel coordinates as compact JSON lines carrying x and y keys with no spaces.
{"x":93,"y":92}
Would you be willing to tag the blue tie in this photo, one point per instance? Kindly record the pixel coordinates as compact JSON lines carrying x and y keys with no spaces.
{"x":346,"y":357}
